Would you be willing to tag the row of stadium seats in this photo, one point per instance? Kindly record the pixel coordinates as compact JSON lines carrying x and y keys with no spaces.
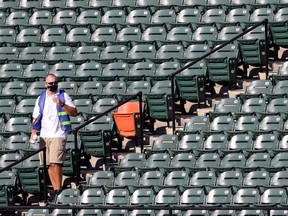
{"x":135,"y":212}
{"x":141,"y":16}
{"x":121,"y":3}
{"x":172,"y":196}
{"x":158,"y":179}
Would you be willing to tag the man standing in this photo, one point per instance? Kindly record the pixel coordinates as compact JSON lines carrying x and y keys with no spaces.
{"x":51,"y":117}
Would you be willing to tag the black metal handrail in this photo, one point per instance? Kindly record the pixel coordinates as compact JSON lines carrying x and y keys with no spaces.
{"x":265,"y":22}
{"x":75,"y":130}
{"x":44,"y":167}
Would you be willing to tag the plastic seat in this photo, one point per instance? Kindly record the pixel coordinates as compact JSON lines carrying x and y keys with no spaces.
{"x":208,"y":160}
{"x":213,"y":15}
{"x":283,"y":142}
{"x":11,"y":71}
{"x":130,"y":114}
{"x":165,"y":141}
{"x":222,"y":123}
{"x":258,"y":87}
{"x":219,"y":196}
{"x":113,"y":212}
{"x":163,"y":16}
{"x":92,"y":196}
{"x":253,"y":105}
{"x":197,"y":123}
{"x":68,"y":196}
{"x":123,"y":3}
{"x":90,"y":16}
{"x":229,"y":32}
{"x":114,"y":52}
{"x":25,"y":106}
{"x":68,"y":86}
{"x":138,"y":16}
{"x":147,"y":2}
{"x":132,"y":160}
{"x":17,"y":18}
{"x":9,"y":158}
{"x":246,"y":123}
{"x":36,"y":88}
{"x":137,"y":86}
{"x":9,"y":4}
{"x":117,"y":196}
{"x":277,"y":212}
{"x":142,"y":51}
{"x":76,"y":3}
{"x":64,"y":17}
{"x":273,"y":196}
{"x":240,"y":15}
{"x":114,"y":71}
{"x":7,"y":35}
{"x":86,"y":52}
{"x":251,"y":213}
{"x":167,"y":196}
{"x":101,"y":178}
{"x":17,"y":143}
{"x":191,"y":142}
{"x":142,"y":196}
{"x":59,"y":53}
{"x":103,"y":104}
{"x":271,"y":123}
{"x":90,"y":88}
{"x":205,"y":33}
{"x":32,"y":212}
{"x":240,"y":142}
{"x":277,"y":105}
{"x":18,"y":124}
{"x":129,"y":34}
{"x":203,"y":178}
{"x":104,"y":34}
{"x":188,"y":15}
{"x":151,"y":178}
{"x":192,"y":196}
{"x":63,"y":70}
{"x":160,"y":160}
{"x":279,"y":179}
{"x":279,"y":160}
{"x":184,"y":160}
{"x":230,"y":177}
{"x":114,"y":16}
{"x":170,"y":51}
{"x":32,"y":53}
{"x":99,"y":3}
{"x":87,"y":212}
{"x":7,"y":105}
{"x":154,"y":33}
{"x":56,"y":212}
{"x":215,"y":142}
{"x":126,"y":178}
{"x":227,"y":105}
{"x":104,"y":123}
{"x":193,"y":51}
{"x":14,"y":88}
{"x":78,"y":34}
{"x":52,"y":34}
{"x":179,"y":33}
{"x":88,"y":70}
{"x":8,"y":53}
{"x":231,"y":160}
{"x":246,"y":196}
{"x":176,"y":177}
{"x":256,"y":178}
{"x":164,"y":70}
{"x":192,"y":82}
{"x":113,"y":88}
{"x":42,"y":17}
{"x":258,"y":160}
{"x":261,"y":13}
{"x":29,"y":35}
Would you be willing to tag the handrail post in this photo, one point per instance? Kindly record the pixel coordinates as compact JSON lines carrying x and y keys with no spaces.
{"x":173,"y":102}
{"x":141,"y":121}
{"x":45,"y":174}
{"x":77,"y":159}
{"x":266,"y":47}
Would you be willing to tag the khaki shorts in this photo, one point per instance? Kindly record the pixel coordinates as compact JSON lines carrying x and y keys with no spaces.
{"x":55,"y":150}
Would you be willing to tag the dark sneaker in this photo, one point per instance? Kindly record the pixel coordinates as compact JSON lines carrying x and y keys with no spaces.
{"x":53,"y":195}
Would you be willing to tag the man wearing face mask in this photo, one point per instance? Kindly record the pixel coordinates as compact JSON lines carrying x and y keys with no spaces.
{"x":51,"y":117}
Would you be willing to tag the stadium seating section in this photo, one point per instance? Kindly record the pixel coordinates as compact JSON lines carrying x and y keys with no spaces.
{"x":104,"y":51}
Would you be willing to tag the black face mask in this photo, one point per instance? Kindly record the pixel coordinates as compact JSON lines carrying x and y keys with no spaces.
{"x":52,"y":88}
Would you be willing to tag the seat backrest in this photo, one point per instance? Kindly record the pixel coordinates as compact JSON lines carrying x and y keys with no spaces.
{"x":89,"y":16}
{"x":90,"y":87}
{"x":37,"y":53}
{"x":253,"y":105}
{"x":193,"y":196}
{"x":238,"y":15}
{"x":104,"y":104}
{"x":167,"y":196}
{"x":230,"y":177}
{"x":151,"y":178}
{"x":118,"y":196}
{"x":256,"y":178}
{"x":188,"y":15}
{"x":141,"y":51}
{"x":9,"y":53}
{"x":137,"y":16}
{"x":202,"y":178}
{"x":92,"y":196}
{"x":240,"y":141}
{"x":205,"y":33}
{"x":17,"y":18}
{"x":271,"y":123}
{"x":126,"y":178}
{"x":78,"y":34}
{"x":168,"y":51}
{"x":154,"y":33}
{"x":158,"y":160}
{"x":208,"y":160}
{"x":117,"y":16}
{"x":261,"y":13}
{"x":142,"y":196}
{"x":101,"y":178}
{"x":7,"y":34}
{"x":86,"y":52}
{"x":59,"y":53}
{"x":191,"y":141}
{"x":164,"y":16}
{"x":222,"y":123}
{"x":184,"y":160}
{"x":246,"y":123}
{"x":220,"y":196}
{"x":114,"y":52}
{"x":65,"y":17}
{"x":213,"y":15}
{"x":54,"y":34}
{"x":179,"y":33}
{"x":246,"y":196}
{"x":276,"y":196}
{"x":233,"y":160}
{"x":42,"y":17}
{"x":215,"y":142}
{"x":129,"y":34}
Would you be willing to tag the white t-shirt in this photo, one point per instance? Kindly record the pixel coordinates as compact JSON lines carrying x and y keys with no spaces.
{"x":50,"y":124}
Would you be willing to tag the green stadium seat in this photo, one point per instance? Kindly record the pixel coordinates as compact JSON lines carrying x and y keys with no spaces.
{"x":240,"y":142}
{"x":117,"y":197}
{"x":251,"y":212}
{"x":230,"y":177}
{"x":64,"y":16}
{"x":154,"y":33}
{"x":273,"y":196}
{"x":192,"y":196}
{"x":222,"y":123}
{"x":183,"y":160}
{"x":113,"y":16}
{"x":163,"y":16}
{"x":76,"y":3}
{"x":42,"y":17}
{"x":151,"y":178}
{"x":100,"y":178}
{"x":176,"y":177}
{"x":219,"y":196}
{"x":29,"y":35}
{"x":160,"y":160}
{"x":167,"y":196}
{"x":138,"y":16}
{"x":68,"y":86}
{"x":114,"y":52}
{"x":14,"y":88}
{"x":92,"y":196}
{"x":246,"y":123}
{"x":100,"y":3}
{"x":89,"y":16}
{"x":11,"y":71}
{"x":188,"y":15}
{"x":142,"y":51}
{"x":215,"y":142}
{"x":105,"y":33}
{"x":8,"y":53}
{"x":208,"y":160}
{"x":279,"y":179}
{"x":7,"y":34}
{"x":63,"y":70}
{"x":129,"y":34}
{"x":52,"y":34}
{"x":87,"y":212}
{"x":17,"y":18}
{"x":179,"y":33}
{"x":36,"y":88}
{"x":203,"y":178}
{"x":256,"y":178}
{"x":213,"y":15}
{"x":142,"y":197}
{"x":57,"y":212}
{"x":190,"y":142}
{"x":32,"y":53}
{"x":78,"y":34}
{"x":246,"y":196}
